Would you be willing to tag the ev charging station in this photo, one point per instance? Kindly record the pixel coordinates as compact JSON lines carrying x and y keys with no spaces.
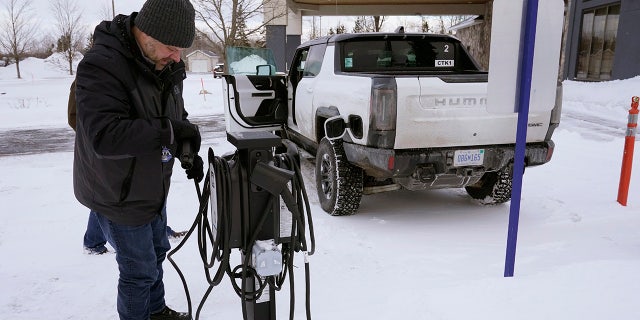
{"x":259,"y":206}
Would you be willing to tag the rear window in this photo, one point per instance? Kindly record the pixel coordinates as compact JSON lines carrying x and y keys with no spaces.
{"x":404,"y":54}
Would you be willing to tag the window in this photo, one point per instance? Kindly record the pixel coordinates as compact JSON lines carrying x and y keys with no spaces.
{"x":598,"y":43}
{"x":404,"y":54}
{"x":314,"y":60}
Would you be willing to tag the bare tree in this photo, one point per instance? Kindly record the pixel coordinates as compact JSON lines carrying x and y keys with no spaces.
{"x":368,"y":24}
{"x":359,"y":25}
{"x":105,"y":12}
{"x":67,"y":15}
{"x":232,"y":22}
{"x":17,"y":32}
{"x":377,"y":22}
{"x":315,"y":30}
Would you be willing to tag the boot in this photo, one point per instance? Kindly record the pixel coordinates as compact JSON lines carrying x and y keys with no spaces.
{"x":168,"y":314}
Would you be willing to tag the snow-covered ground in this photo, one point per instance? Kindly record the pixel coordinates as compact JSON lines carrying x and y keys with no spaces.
{"x":405,"y":255}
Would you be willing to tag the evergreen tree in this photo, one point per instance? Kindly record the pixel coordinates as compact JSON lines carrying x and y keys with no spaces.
{"x":360,"y":25}
{"x":242,"y":38}
{"x":64,"y":43}
{"x":425,"y":25}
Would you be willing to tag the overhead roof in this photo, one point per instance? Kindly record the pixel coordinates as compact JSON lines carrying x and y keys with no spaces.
{"x":388,"y":7}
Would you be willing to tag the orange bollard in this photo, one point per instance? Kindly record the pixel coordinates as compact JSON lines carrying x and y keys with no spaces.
{"x":627,"y":157}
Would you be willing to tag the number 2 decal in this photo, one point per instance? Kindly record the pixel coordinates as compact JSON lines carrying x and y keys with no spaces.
{"x":446,"y":48}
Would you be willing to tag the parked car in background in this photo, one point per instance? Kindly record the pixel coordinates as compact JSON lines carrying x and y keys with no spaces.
{"x":218,"y":70}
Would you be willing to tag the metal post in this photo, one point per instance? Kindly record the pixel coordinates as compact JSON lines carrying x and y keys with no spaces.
{"x":524,"y":94}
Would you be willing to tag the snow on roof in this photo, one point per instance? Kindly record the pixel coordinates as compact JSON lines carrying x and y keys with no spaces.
{"x":207,"y":53}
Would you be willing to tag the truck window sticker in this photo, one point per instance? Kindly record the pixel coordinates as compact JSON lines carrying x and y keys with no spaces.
{"x":444,"y":64}
{"x":348,"y":60}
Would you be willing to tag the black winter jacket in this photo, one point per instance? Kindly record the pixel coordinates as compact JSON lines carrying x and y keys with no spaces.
{"x":123,"y":107}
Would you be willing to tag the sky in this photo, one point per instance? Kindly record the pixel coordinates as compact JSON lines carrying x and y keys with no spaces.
{"x":95,"y":11}
{"x":404,"y":255}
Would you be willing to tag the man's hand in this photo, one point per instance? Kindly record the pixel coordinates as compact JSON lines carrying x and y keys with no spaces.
{"x":197,"y":169}
{"x":185,"y":130}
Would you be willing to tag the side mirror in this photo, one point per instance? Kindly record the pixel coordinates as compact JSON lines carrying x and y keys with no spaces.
{"x":334,"y":128}
{"x":265,"y":70}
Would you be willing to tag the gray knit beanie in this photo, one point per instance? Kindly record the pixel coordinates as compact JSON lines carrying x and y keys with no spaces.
{"x":171,"y":22}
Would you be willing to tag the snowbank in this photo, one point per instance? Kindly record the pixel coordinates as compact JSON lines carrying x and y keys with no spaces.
{"x":55,"y":66}
{"x":40,"y":98}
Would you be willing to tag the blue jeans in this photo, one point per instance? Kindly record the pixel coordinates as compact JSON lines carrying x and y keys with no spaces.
{"x":94,"y":237}
{"x":140,"y":251}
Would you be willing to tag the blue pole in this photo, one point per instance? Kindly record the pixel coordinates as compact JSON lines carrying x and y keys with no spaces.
{"x":524,"y":94}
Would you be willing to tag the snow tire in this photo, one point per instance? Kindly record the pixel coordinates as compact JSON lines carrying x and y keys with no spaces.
{"x":338,"y":182}
{"x":493,"y":187}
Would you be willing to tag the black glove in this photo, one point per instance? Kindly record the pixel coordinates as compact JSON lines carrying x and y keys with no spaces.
{"x":197,"y":169}
{"x":185,"y":130}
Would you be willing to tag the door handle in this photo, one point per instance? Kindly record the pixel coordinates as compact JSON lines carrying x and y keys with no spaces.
{"x":261,"y":94}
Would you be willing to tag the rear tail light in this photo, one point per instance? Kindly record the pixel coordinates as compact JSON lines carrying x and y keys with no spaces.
{"x":383,"y":113}
{"x":384,"y":104}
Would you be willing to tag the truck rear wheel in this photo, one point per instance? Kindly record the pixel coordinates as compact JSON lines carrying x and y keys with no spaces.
{"x":339,"y":183}
{"x":493,"y":187}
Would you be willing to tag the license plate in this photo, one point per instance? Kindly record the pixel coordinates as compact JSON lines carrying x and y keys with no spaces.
{"x":473,"y":157}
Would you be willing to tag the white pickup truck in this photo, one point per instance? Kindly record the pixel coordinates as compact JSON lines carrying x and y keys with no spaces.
{"x":405,"y":111}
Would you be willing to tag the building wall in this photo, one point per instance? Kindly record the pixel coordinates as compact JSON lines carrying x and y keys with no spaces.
{"x":626,"y":61}
{"x":565,"y":33}
{"x":477,"y":39}
{"x":276,"y":41}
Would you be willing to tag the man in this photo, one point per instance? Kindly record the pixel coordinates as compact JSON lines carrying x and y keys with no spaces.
{"x":94,"y":240}
{"x":131,"y":123}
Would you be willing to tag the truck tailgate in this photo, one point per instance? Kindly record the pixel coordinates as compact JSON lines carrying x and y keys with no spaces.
{"x":455,"y":114}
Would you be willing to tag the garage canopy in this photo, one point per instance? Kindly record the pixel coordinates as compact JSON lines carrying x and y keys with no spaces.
{"x":388,"y":7}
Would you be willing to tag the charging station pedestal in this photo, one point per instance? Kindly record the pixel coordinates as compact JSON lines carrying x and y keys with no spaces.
{"x":254,"y":147}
